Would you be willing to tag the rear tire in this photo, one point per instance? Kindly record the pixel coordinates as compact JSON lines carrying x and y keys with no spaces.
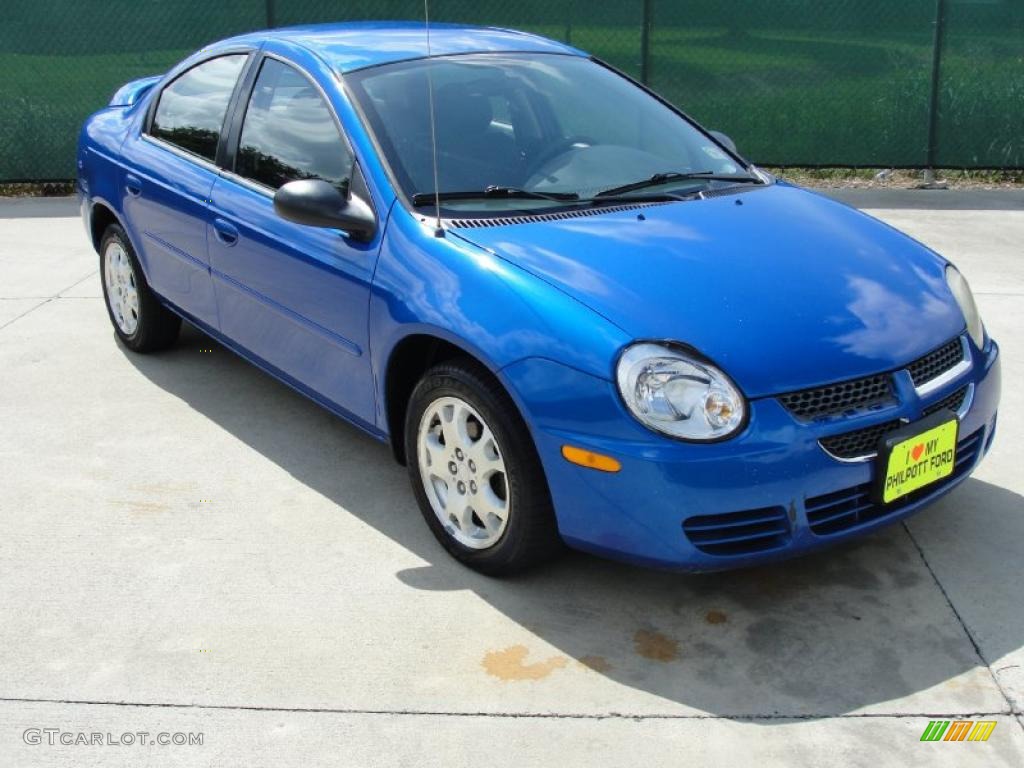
{"x":140,"y":321}
{"x":475,"y":472}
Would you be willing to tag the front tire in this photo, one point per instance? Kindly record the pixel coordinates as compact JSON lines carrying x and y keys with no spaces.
{"x":140,"y":321}
{"x":475,"y":472}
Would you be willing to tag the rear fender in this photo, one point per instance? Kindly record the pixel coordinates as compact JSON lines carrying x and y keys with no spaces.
{"x":129,"y":94}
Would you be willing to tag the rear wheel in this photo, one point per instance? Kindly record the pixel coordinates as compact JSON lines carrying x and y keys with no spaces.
{"x":141,"y":322}
{"x":475,"y":472}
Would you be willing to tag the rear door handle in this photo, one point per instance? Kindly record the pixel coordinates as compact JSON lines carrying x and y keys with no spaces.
{"x":133,"y":185}
{"x":225,"y":231}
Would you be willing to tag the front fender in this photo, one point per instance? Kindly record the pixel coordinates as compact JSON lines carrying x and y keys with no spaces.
{"x":569,"y":407}
{"x":450,"y":288}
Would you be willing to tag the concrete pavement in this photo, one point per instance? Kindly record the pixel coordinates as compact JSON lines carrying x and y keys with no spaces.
{"x":188,"y":546}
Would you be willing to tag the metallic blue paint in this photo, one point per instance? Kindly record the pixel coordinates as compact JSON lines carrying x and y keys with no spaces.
{"x":129,"y":93}
{"x":638,"y":512}
{"x":782,"y":288}
{"x":355,"y":45}
{"x":296,"y":296}
{"x":164,"y":201}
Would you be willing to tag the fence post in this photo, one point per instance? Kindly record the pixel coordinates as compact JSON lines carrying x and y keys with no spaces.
{"x":271,"y":22}
{"x":645,"y":42}
{"x":933,"y":104}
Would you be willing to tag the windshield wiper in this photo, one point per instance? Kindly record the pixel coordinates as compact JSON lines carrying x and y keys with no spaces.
{"x":643,"y":197}
{"x":493,"y":191}
{"x":662,"y":178}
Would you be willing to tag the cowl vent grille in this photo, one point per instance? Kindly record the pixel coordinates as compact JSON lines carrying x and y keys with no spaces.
{"x":735,"y":189}
{"x":507,"y":221}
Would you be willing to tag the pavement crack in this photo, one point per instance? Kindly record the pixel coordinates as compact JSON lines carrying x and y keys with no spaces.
{"x":509,"y":715}
{"x":74,"y":284}
{"x":963,"y":624}
{"x":28,"y":311}
{"x":48,"y":299}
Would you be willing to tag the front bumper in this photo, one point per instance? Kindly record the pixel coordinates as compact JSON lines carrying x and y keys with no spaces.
{"x":708,"y":506}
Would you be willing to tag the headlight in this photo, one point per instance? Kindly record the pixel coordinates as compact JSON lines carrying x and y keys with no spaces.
{"x":962,"y":293}
{"x":677,"y":394}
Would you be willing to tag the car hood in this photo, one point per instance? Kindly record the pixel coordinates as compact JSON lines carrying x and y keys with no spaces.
{"x":781,"y":287}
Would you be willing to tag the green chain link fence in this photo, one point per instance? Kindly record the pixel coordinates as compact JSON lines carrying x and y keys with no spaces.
{"x":889,"y":83}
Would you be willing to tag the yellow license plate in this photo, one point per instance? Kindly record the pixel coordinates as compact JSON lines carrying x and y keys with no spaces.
{"x":920,"y":460}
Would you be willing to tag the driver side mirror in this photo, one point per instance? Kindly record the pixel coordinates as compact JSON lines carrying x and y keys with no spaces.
{"x":317,"y":203}
{"x":725,"y":141}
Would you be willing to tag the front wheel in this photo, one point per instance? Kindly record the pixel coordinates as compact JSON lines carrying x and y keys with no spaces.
{"x":476,"y":473}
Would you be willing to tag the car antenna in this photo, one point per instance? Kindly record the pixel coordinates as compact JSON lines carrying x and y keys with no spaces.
{"x":438,"y":229}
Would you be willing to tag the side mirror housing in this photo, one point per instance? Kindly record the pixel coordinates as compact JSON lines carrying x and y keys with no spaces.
{"x":316,"y":203}
{"x":725,"y":141}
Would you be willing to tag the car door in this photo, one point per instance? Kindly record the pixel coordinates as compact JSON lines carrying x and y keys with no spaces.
{"x":170,"y":172}
{"x":294,"y":296}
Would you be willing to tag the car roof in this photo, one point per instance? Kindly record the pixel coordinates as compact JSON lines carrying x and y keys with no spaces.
{"x":355,"y":45}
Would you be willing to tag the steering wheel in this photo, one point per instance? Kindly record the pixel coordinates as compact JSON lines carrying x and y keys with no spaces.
{"x":557,"y":149}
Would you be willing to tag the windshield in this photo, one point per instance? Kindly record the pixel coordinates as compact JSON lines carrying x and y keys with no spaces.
{"x":549,"y":124}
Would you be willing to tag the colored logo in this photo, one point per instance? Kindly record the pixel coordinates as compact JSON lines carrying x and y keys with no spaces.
{"x":958,"y":730}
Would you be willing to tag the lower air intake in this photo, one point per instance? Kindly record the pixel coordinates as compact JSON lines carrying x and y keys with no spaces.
{"x":841,"y":510}
{"x":738,"y":533}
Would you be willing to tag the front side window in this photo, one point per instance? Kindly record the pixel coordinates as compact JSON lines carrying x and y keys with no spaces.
{"x":191,"y":110}
{"x":544,"y":123}
{"x":289,"y":132}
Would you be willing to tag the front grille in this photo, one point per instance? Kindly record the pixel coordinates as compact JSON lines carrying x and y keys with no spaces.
{"x":936,"y":362}
{"x":738,"y":533}
{"x":870,"y":393}
{"x":860,"y":442}
{"x":841,"y":510}
{"x":846,"y":397}
{"x":953,"y":402}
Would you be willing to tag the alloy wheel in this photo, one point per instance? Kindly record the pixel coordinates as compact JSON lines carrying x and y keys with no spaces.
{"x":463,"y":472}
{"x":122,"y":291}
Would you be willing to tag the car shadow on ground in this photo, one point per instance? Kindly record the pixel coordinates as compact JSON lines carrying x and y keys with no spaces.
{"x":851,"y":627}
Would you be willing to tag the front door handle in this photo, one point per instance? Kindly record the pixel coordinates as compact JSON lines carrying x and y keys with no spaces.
{"x":133,"y":185}
{"x":225,"y":231}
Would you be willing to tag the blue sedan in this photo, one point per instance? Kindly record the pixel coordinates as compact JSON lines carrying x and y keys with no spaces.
{"x":576,"y":316}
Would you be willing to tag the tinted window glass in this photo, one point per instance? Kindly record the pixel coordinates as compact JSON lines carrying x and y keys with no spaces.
{"x":288,"y":132}
{"x":544,"y":122}
{"x":191,"y":109}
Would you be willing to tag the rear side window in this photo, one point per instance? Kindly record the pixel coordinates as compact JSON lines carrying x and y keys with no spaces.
{"x":191,"y":111}
{"x":289,"y":132}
